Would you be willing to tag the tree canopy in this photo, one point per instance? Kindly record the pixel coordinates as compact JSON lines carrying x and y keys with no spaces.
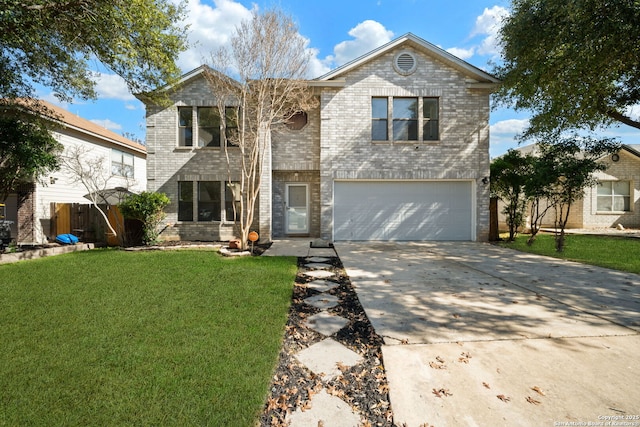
{"x":55,"y":42}
{"x":28,"y":151}
{"x":574,"y":63}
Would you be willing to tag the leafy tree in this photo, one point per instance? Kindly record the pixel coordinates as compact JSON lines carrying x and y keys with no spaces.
{"x":268,"y":58}
{"x":27,"y":150}
{"x":570,"y":163}
{"x":574,"y":63}
{"x":147,"y":207}
{"x":508,"y":178}
{"x":54,"y":42}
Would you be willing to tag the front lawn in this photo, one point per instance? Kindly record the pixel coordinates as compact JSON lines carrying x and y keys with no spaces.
{"x":110,"y":337}
{"x":618,"y":253}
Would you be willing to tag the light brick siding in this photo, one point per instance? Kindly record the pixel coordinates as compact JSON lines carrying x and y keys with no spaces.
{"x":626,"y":169}
{"x":347,"y":151}
{"x":167,"y":164}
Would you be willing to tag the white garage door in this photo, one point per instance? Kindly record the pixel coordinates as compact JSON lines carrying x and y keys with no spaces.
{"x":374,"y":210}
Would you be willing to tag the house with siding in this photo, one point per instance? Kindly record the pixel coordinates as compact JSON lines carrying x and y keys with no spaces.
{"x":397,"y":149}
{"x":29,"y":208}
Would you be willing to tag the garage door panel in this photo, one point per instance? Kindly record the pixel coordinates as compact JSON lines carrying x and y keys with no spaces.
{"x":402,"y":210}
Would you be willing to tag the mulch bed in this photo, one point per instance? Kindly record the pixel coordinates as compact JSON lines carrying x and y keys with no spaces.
{"x":363,"y":386}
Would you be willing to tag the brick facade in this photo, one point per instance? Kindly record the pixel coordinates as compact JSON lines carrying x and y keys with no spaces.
{"x":336,"y":142}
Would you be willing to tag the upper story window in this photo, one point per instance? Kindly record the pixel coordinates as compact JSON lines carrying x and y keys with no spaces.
{"x":185,"y":126}
{"x":403,"y":120}
{"x":208,"y":127}
{"x":430,"y":122}
{"x":614,"y":196}
{"x":379,"y":121}
{"x":121,"y":163}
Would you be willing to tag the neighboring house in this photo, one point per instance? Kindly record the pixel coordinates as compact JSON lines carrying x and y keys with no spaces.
{"x":125,"y":159}
{"x":398,"y":149}
{"x":614,"y":201}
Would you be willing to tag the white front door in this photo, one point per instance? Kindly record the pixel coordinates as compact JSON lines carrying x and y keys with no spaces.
{"x":297,"y":209}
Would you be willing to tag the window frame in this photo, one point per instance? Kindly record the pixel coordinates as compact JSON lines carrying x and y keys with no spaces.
{"x":185,"y":131}
{"x":215,"y":204}
{"x":423,"y":119}
{"x":186,"y":202}
{"x":612,"y":197}
{"x":119,"y":168}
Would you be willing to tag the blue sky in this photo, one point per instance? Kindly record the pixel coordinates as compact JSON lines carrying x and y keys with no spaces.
{"x":337,"y":31}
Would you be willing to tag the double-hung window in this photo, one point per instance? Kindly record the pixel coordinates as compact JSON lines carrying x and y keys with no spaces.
{"x":208,"y":127}
{"x":185,"y":126}
{"x":231,"y":200}
{"x":209,"y":201}
{"x":614,"y":196}
{"x":121,"y":163}
{"x":405,"y":119}
{"x":408,"y":119}
{"x":379,"y":121}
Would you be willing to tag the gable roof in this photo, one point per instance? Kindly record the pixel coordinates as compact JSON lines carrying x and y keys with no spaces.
{"x":422,"y":46}
{"x":72,"y":121}
{"x":633,"y":149}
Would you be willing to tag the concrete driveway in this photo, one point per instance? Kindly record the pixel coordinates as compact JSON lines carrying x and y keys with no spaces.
{"x":477,"y":335}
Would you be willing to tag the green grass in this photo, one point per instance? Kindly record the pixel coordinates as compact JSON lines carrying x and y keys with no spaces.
{"x":111,"y":337}
{"x":618,"y":253}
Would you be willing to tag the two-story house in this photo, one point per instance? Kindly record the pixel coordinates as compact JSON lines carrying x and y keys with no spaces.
{"x":397,"y":149}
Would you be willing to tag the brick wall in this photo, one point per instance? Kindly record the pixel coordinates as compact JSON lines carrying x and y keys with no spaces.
{"x":347,"y":151}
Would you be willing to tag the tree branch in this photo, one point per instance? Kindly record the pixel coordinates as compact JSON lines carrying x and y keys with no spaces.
{"x":615,"y":115}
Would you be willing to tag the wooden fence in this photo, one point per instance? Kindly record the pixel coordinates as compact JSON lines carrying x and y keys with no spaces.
{"x":85,"y":222}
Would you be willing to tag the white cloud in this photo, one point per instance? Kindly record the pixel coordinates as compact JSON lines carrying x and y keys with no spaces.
{"x":367,"y":35}
{"x":488,"y":25}
{"x":462,"y":53}
{"x":210,"y":28}
{"x":112,"y":86}
{"x":108,"y":124}
{"x":509,"y":127}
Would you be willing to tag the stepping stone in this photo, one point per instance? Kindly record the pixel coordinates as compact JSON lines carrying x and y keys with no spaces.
{"x":325,"y":410}
{"x":323,"y":357}
{"x":318,"y":265}
{"x":322,"y":301}
{"x":322,"y":285}
{"x":318,"y":274}
{"x":317,"y":259}
{"x":326,"y":323}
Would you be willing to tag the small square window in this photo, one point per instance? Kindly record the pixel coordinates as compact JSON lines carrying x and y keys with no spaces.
{"x":614,"y":196}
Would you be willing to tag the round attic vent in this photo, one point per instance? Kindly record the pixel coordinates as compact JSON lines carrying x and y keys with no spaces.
{"x":404,"y":63}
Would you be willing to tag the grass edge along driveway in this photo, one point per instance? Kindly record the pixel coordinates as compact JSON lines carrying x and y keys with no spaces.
{"x":110,"y":337}
{"x":618,"y":253}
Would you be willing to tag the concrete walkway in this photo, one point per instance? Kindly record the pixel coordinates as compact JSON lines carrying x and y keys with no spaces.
{"x":325,"y":357}
{"x":477,"y":335}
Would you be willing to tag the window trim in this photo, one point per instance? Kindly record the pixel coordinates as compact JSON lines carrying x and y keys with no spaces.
{"x":421,"y":121}
{"x":121,"y":165}
{"x":612,"y":197}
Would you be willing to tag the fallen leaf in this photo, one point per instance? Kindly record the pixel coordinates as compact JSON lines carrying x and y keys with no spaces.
{"x":404,"y":341}
{"x":486,"y":385}
{"x":465,"y":357}
{"x":442,"y":392}
{"x":456,"y":315}
{"x":537,"y":390}
{"x":532,"y":400}
{"x":503,"y":397}
{"x":437,"y":365}
{"x":439,"y":359}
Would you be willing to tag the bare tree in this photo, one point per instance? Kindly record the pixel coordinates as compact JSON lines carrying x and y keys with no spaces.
{"x":95,"y":175}
{"x":268,"y":61}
